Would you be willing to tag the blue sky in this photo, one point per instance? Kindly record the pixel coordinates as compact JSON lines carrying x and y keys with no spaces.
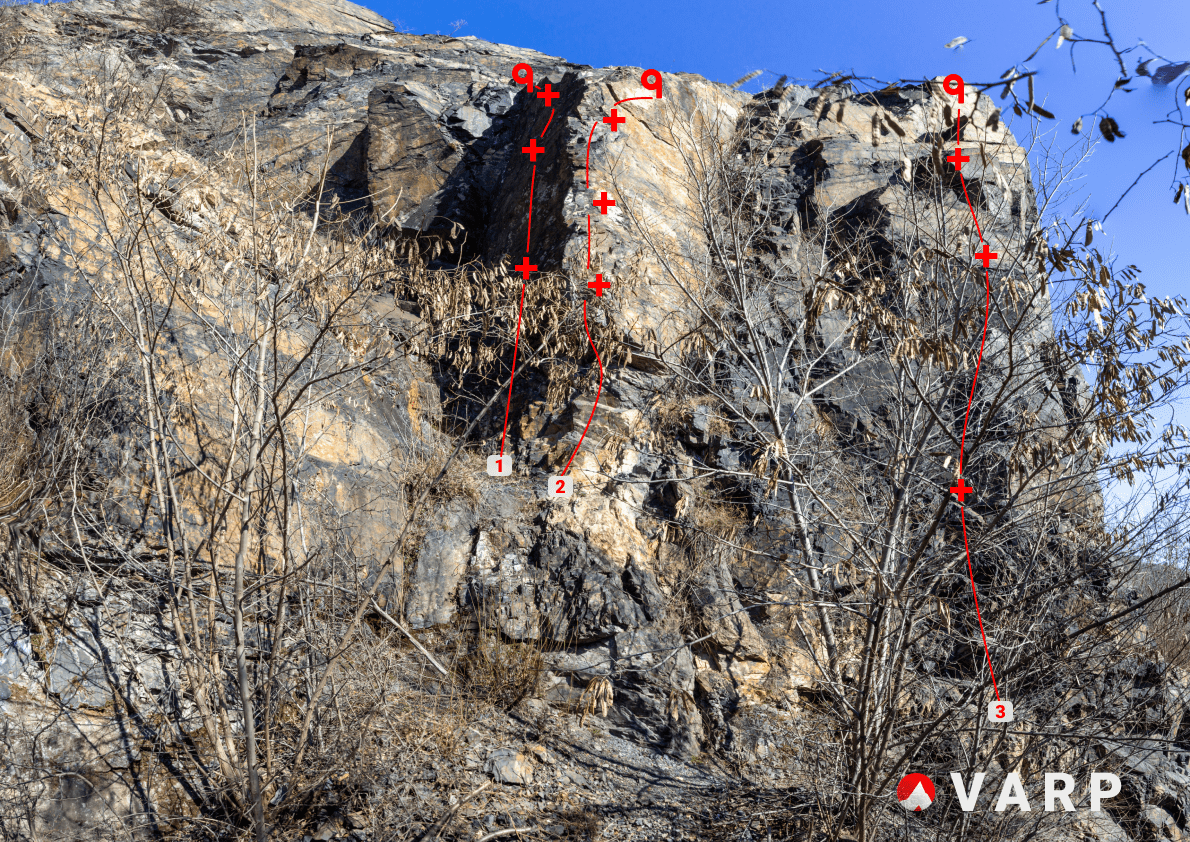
{"x":889,"y":40}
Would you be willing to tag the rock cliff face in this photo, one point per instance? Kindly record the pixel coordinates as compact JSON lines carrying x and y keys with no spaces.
{"x":423,"y":134}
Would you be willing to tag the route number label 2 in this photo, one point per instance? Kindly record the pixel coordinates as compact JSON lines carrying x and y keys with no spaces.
{"x":1000,"y":711}
{"x":499,"y":465}
{"x":560,"y":486}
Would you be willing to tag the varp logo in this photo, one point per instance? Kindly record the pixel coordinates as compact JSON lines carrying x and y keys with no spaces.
{"x":916,"y":791}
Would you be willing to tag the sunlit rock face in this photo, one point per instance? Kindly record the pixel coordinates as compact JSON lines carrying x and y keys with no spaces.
{"x":425,"y":135}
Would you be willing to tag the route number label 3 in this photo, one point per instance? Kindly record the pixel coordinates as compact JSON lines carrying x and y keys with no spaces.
{"x":499,"y":465}
{"x":560,"y":486}
{"x":1000,"y":711}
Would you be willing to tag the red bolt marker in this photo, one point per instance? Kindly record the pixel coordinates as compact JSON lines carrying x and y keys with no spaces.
{"x":533,"y":150}
{"x":548,"y":94}
{"x":603,"y":202}
{"x":599,"y":285}
{"x":526,"y":267}
{"x":614,"y":120}
{"x":958,"y":158}
{"x":987,"y":255}
{"x":961,"y":490}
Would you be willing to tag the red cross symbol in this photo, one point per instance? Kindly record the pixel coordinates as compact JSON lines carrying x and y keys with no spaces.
{"x":958,"y":158}
{"x":526,"y":267}
{"x":603,"y":202}
{"x":987,"y":256}
{"x":614,"y":120}
{"x":533,"y":150}
{"x":961,"y":490}
{"x":599,"y":285}
{"x":547,"y":94}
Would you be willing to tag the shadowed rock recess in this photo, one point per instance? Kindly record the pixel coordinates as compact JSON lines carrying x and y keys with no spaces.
{"x":639,"y":661}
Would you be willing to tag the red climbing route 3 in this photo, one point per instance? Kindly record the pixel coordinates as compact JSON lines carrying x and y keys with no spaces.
{"x":999,"y":710}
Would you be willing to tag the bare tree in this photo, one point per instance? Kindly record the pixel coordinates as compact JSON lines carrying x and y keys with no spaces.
{"x":890,"y":324}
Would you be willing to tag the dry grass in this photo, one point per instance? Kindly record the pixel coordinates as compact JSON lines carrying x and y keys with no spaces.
{"x":461,"y":482}
{"x":494,"y":669}
{"x":399,"y":724}
{"x":174,"y":16}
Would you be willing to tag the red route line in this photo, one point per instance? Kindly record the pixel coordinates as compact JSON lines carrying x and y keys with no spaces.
{"x":963,"y":181}
{"x":587,"y":182}
{"x":592,"y":132}
{"x":529,"y":228}
{"x":597,"y":392}
{"x":978,"y":616}
{"x":547,"y":123}
{"x":967,"y":415}
{"x":515,"y":345}
{"x":962,"y":508}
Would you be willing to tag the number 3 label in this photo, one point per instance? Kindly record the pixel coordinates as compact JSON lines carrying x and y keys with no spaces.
{"x":1000,"y":711}
{"x":560,"y":486}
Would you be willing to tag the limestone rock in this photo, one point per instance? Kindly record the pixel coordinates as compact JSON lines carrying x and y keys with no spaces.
{"x":740,"y":649}
{"x":654,"y":700}
{"x":409,"y":158}
{"x":79,"y":668}
{"x":441,"y":563}
{"x":431,"y":127}
{"x":1159,"y":824}
{"x":509,"y":766}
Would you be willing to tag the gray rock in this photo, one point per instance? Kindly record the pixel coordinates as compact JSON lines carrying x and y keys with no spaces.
{"x":441,"y":563}
{"x":508,"y":766}
{"x":471,"y":120}
{"x":575,"y":778}
{"x":409,"y":158}
{"x":721,"y":611}
{"x":16,"y":651}
{"x":1159,"y":823}
{"x":654,"y":697}
{"x":80,"y":670}
{"x":587,"y":662}
{"x":587,"y":597}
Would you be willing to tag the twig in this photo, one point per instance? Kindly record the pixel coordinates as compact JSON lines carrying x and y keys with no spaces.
{"x":401,"y":627}
{"x":507,"y":832}
{"x":435,"y":829}
{"x":1133,"y":184}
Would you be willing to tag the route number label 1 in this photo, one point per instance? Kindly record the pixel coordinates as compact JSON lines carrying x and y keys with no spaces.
{"x":560,"y":486}
{"x":1000,"y":711}
{"x":499,"y":465}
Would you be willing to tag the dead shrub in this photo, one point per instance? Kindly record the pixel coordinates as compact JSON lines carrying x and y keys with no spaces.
{"x":12,"y":39}
{"x":500,"y":671}
{"x":175,"y":17}
{"x":461,"y":482}
{"x":581,"y":823}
